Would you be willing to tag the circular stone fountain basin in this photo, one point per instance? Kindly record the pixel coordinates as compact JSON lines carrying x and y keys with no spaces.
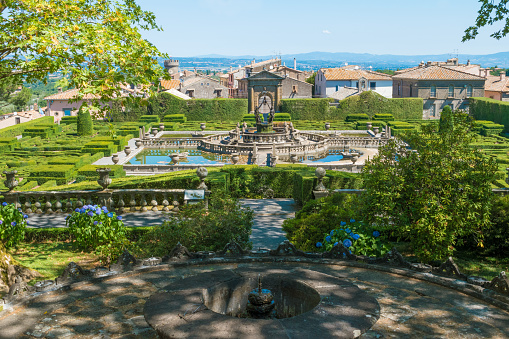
{"x":308,"y":304}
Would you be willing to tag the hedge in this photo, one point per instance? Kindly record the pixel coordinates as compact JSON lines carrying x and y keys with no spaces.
{"x":175,"y":118}
{"x":282,"y":117}
{"x":371,"y":103}
{"x":41,"y":132}
{"x":490,"y":129}
{"x":8,"y":144}
{"x":248,"y":118}
{"x":362,"y":125}
{"x":69,"y":120}
{"x":307,"y":109}
{"x":384,"y":117}
{"x":63,"y":234}
{"x":106,"y":147}
{"x":198,"y":109}
{"x":90,"y":171}
{"x":12,"y":131}
{"x":490,"y":110}
{"x":84,"y":124}
{"x":149,"y":118}
{"x":357,"y":117}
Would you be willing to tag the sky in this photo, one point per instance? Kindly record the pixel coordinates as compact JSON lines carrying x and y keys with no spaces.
{"x":271,"y":27}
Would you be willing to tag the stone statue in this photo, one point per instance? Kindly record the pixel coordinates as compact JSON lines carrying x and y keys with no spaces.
{"x":271,"y":116}
{"x":237,"y":128}
{"x":244,"y":127}
{"x":257,"y":116}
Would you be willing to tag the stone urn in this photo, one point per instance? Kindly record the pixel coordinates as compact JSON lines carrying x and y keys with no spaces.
{"x":293,"y":158}
{"x":161,"y":127}
{"x":320,"y":174}
{"x":154,"y":131}
{"x":369,"y":125}
{"x":115,"y":158}
{"x":175,"y":158}
{"x":147,"y":135}
{"x":10,"y":181}
{"x":104,"y":177}
{"x":138,"y":143}
{"x":355,"y":157}
{"x":127,"y":150}
{"x":235,"y":158}
{"x":376,"y":130}
{"x":327,"y":126}
{"x":202,"y":173}
{"x":203,"y":126}
{"x":275,"y":158}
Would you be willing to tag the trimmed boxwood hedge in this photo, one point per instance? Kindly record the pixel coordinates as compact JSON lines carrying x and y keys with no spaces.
{"x":106,"y":147}
{"x":282,"y":117}
{"x":149,"y":118}
{"x":175,"y":118}
{"x":383,"y":117}
{"x":15,"y":130}
{"x":490,"y":110}
{"x":357,"y":117}
{"x":90,"y":171}
{"x":307,"y":109}
{"x":69,"y":120}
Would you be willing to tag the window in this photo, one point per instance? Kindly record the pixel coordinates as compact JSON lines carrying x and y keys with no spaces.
{"x":372,"y":85}
{"x":295,"y":89}
{"x":67,"y":112}
{"x":451,"y":91}
{"x":399,"y":89}
{"x":433,"y":91}
{"x":337,"y":88}
{"x":218,"y":92}
{"x":432,"y":110}
{"x":190,"y":92}
{"x":469,"y":91}
{"x":411,"y":89}
{"x":357,"y":84}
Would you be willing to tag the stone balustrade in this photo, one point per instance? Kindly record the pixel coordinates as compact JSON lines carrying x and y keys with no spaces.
{"x":120,"y":200}
{"x":171,"y":142}
{"x":151,"y":169}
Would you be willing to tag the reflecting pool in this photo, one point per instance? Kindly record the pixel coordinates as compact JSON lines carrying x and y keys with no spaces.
{"x":162,"y":157}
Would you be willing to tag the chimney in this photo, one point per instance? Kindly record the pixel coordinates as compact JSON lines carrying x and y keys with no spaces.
{"x":295,"y":63}
{"x":502,"y":76}
{"x":468,"y":62}
{"x":59,"y":89}
{"x":231,"y":69}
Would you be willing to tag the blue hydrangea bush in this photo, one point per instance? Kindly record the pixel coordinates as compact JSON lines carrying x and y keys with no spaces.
{"x":94,"y":227}
{"x":360,"y":239}
{"x":12,"y":225}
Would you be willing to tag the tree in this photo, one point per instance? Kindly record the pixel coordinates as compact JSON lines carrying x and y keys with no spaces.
{"x":95,"y":44}
{"x":84,"y":124}
{"x":311,"y":80}
{"x":19,"y":100}
{"x":436,"y":195}
{"x":490,"y":13}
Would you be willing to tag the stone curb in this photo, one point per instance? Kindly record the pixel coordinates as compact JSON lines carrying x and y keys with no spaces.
{"x":487,"y":295}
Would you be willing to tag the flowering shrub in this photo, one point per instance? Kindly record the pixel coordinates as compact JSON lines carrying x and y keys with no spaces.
{"x":12,"y":225}
{"x":357,"y":237}
{"x":94,"y":227}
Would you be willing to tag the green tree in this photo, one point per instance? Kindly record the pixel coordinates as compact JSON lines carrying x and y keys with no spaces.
{"x":19,"y":100}
{"x":84,"y":124}
{"x":491,"y":12}
{"x":311,"y":80}
{"x":435,"y":195}
{"x":95,"y":44}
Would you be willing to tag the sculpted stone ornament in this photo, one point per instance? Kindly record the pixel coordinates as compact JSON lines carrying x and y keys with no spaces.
{"x":286,"y":248}
{"x":449,"y":268}
{"x":202,"y":173}
{"x":179,"y":252}
{"x":233,"y":249}
{"x":73,"y":271}
{"x":500,"y":284}
{"x":339,"y":252}
{"x":10,"y":181}
{"x":126,"y":259}
{"x":244,"y":127}
{"x":19,"y":289}
{"x":104,"y":177}
{"x":320,"y":174}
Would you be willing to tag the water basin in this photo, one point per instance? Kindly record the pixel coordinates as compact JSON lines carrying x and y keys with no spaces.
{"x":162,"y":157}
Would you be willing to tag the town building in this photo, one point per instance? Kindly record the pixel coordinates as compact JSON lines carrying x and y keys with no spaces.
{"x":497,"y":87}
{"x":203,"y":87}
{"x":329,"y":81}
{"x":438,"y":86}
{"x":11,"y":119}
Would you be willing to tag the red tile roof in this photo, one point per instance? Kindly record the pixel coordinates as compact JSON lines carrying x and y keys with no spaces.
{"x":494,"y":84}
{"x":169,"y":84}
{"x":344,"y":73}
{"x":435,"y":73}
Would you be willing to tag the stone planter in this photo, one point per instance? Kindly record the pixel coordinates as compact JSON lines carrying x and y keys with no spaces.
{"x":104,"y":177}
{"x":175,"y":158}
{"x":354,"y":158}
{"x":202,"y":173}
{"x":161,"y":127}
{"x":327,"y":126}
{"x":154,"y":131}
{"x":320,"y":174}
{"x":376,"y":130}
{"x":147,"y":135}
{"x":235,"y":158}
{"x":127,"y":150}
{"x":203,"y":126}
{"x":138,"y":143}
{"x":10,"y":181}
{"x":369,"y":125}
{"x":115,"y":158}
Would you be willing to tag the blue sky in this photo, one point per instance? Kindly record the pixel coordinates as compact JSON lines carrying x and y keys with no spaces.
{"x":268,"y":27}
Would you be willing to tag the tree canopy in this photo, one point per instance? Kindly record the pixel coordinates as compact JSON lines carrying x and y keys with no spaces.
{"x":491,"y":12}
{"x":95,"y":44}
{"x":434,"y":195}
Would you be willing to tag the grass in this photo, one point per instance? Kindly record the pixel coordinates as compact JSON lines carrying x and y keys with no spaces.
{"x":51,"y":258}
{"x":469,"y":263}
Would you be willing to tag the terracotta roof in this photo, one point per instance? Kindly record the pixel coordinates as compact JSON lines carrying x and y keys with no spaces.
{"x":436,"y":73}
{"x":494,"y":84}
{"x":69,"y":94}
{"x":169,"y":84}
{"x":352,"y":74}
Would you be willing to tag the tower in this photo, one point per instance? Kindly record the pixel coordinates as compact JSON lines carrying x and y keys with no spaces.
{"x":172,"y":66}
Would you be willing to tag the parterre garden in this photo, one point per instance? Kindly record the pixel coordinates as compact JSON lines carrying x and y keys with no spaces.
{"x":54,"y":157}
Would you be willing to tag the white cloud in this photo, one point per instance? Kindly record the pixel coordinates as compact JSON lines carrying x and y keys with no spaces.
{"x":326,"y":31}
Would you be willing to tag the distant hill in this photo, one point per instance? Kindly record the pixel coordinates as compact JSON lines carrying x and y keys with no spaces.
{"x":314,"y":60}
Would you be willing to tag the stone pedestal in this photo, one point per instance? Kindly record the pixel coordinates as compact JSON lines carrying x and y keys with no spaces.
{"x":320,"y":194}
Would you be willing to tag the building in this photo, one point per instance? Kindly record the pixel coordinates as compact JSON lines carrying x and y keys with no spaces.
{"x":497,"y":87}
{"x":328,"y":81}
{"x":203,"y":87}
{"x":166,"y":85}
{"x":16,"y":118}
{"x":62,"y":103}
{"x":172,"y":67}
{"x":438,"y":86}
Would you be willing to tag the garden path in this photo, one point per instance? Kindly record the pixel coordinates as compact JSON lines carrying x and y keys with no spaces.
{"x":269,"y":215}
